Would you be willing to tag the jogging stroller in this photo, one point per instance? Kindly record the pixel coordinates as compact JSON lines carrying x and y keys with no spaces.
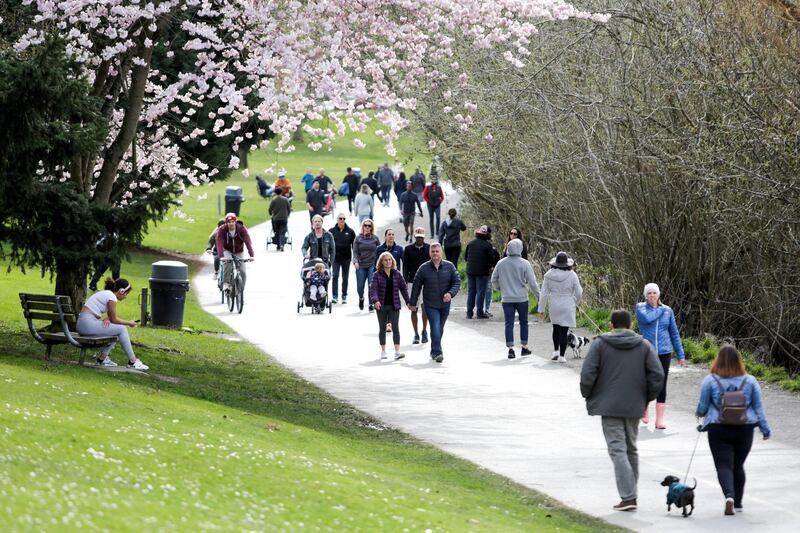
{"x":321,"y":301}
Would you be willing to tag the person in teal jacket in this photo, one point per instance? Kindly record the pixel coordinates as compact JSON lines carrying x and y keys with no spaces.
{"x":730,"y":444}
{"x":657,"y":325}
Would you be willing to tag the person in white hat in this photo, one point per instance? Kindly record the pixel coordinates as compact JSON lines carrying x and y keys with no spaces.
{"x":414,"y":255}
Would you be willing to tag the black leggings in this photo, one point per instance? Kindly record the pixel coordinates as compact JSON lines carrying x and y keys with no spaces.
{"x":730,"y":446}
{"x":560,"y":339}
{"x":665,"y":359}
{"x":388,"y":313}
{"x":451,"y":253}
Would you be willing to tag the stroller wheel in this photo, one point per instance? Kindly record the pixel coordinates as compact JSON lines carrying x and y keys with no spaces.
{"x":299,"y":305}
{"x":330,"y":307}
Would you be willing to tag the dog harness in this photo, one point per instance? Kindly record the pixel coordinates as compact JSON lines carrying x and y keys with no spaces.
{"x":675,"y":492}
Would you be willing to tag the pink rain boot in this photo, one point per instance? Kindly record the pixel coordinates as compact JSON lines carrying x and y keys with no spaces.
{"x":660,"y":409}
{"x":646,"y":417}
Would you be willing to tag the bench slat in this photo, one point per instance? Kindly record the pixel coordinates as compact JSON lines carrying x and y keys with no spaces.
{"x":48,"y":306}
{"x":51,"y":298}
{"x":42,"y":316}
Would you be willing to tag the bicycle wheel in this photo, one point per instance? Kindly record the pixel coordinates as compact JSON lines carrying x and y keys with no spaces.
{"x":232,"y":295}
{"x":239,"y":296}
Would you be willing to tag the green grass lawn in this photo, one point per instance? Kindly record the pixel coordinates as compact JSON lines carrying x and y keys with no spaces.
{"x":205,"y":204}
{"x":219,"y":436}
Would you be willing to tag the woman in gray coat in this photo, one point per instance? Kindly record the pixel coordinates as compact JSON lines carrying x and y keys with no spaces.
{"x":563,"y":290}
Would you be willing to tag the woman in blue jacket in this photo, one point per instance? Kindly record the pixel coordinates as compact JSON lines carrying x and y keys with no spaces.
{"x":730,"y":444}
{"x":657,"y":325}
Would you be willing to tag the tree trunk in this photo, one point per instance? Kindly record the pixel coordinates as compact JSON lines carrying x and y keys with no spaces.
{"x":244,"y":153}
{"x":71,"y":281}
{"x":297,"y":136}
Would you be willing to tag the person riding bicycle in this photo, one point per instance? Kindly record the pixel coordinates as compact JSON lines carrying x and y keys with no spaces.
{"x":231,"y":240}
{"x":212,"y":246}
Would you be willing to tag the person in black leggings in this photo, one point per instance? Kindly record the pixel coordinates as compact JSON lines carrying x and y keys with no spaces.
{"x":730,"y":444}
{"x":562,"y":290}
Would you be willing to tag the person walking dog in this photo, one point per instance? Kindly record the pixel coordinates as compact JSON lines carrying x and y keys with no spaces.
{"x":620,"y":374}
{"x":730,"y":429}
{"x":438,"y":281}
{"x":657,"y":325}
{"x":563,"y":290}
{"x":514,"y":277}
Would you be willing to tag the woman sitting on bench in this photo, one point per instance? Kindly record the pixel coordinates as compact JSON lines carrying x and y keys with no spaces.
{"x":91,"y":321}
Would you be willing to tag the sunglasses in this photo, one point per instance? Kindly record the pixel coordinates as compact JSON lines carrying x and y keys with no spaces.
{"x":367,"y":225}
{"x":513,"y":233}
{"x":341,"y":218}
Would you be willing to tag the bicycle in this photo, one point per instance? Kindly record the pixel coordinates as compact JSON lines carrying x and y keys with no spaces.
{"x":234,"y":295}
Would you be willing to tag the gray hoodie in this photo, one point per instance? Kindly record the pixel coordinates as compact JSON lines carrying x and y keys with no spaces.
{"x":620,"y":374}
{"x":513,"y":275}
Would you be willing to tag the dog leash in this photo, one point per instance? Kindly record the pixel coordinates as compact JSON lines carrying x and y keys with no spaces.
{"x":688,"y":468}
{"x":596,"y":327}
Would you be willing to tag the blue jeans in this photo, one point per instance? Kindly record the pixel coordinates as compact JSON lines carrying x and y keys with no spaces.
{"x":476,"y":293}
{"x":509,"y":311}
{"x":363,"y":275}
{"x":436,"y":320}
{"x":488,"y":300}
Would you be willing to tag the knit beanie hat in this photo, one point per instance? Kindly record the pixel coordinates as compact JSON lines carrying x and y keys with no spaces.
{"x":651,"y":287}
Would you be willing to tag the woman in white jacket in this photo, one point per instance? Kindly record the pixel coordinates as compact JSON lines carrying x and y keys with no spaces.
{"x":563,"y":290}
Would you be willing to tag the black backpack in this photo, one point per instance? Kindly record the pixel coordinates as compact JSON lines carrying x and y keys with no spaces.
{"x":732,"y":405}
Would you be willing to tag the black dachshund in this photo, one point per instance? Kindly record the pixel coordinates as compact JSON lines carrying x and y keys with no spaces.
{"x":679,"y":495}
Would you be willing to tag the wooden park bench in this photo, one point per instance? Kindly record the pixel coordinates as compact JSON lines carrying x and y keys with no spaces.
{"x":60,"y":318}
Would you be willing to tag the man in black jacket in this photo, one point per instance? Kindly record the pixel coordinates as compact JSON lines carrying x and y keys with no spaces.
{"x":480,"y":258}
{"x":438,"y":281}
{"x":414,"y":255}
{"x":343,"y":237}
{"x":351,"y":179}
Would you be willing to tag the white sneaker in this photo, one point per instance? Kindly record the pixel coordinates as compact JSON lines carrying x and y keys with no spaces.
{"x":398,"y":355}
{"x":138,"y":365}
{"x":384,"y":357}
{"x":555,"y":355}
{"x":106,"y":362}
{"x":562,"y":359}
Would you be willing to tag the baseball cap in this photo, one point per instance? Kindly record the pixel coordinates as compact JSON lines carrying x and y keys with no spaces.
{"x":230,"y":216}
{"x":419,"y":232}
{"x":483,"y":230}
{"x":281,"y":173}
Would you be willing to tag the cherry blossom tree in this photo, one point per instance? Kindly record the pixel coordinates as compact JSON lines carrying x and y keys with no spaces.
{"x":173,"y":76}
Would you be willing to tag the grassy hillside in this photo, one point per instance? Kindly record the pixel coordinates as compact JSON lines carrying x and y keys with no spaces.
{"x":218,"y":436}
{"x":206,"y":203}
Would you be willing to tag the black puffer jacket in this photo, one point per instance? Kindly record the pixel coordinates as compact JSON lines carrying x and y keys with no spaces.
{"x":480,"y":256}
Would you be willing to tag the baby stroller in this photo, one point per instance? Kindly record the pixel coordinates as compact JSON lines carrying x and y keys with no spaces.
{"x":320,"y":303}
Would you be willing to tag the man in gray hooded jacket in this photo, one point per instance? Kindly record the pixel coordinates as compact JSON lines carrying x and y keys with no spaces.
{"x":513,"y":276}
{"x":620,"y":374}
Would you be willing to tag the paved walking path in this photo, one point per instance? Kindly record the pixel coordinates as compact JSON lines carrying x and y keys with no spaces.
{"x":521,"y":418}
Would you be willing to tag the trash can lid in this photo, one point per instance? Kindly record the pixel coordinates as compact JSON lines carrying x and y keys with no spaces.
{"x":233,"y":191}
{"x":169,"y":270}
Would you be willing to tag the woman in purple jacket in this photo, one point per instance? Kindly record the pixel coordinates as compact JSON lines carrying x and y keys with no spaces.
{"x":385,"y":290}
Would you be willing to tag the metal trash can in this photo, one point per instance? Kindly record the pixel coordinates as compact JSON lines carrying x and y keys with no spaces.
{"x":233,"y":199}
{"x":169,"y":283}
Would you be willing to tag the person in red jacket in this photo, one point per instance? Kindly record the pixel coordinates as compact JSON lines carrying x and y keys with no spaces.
{"x":231,"y":241}
{"x":434,"y":197}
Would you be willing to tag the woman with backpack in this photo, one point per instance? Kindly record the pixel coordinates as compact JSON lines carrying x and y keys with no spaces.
{"x":657,"y":325}
{"x":730,"y":401}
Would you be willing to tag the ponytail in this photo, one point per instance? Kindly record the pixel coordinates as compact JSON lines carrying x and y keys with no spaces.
{"x":120,"y":284}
